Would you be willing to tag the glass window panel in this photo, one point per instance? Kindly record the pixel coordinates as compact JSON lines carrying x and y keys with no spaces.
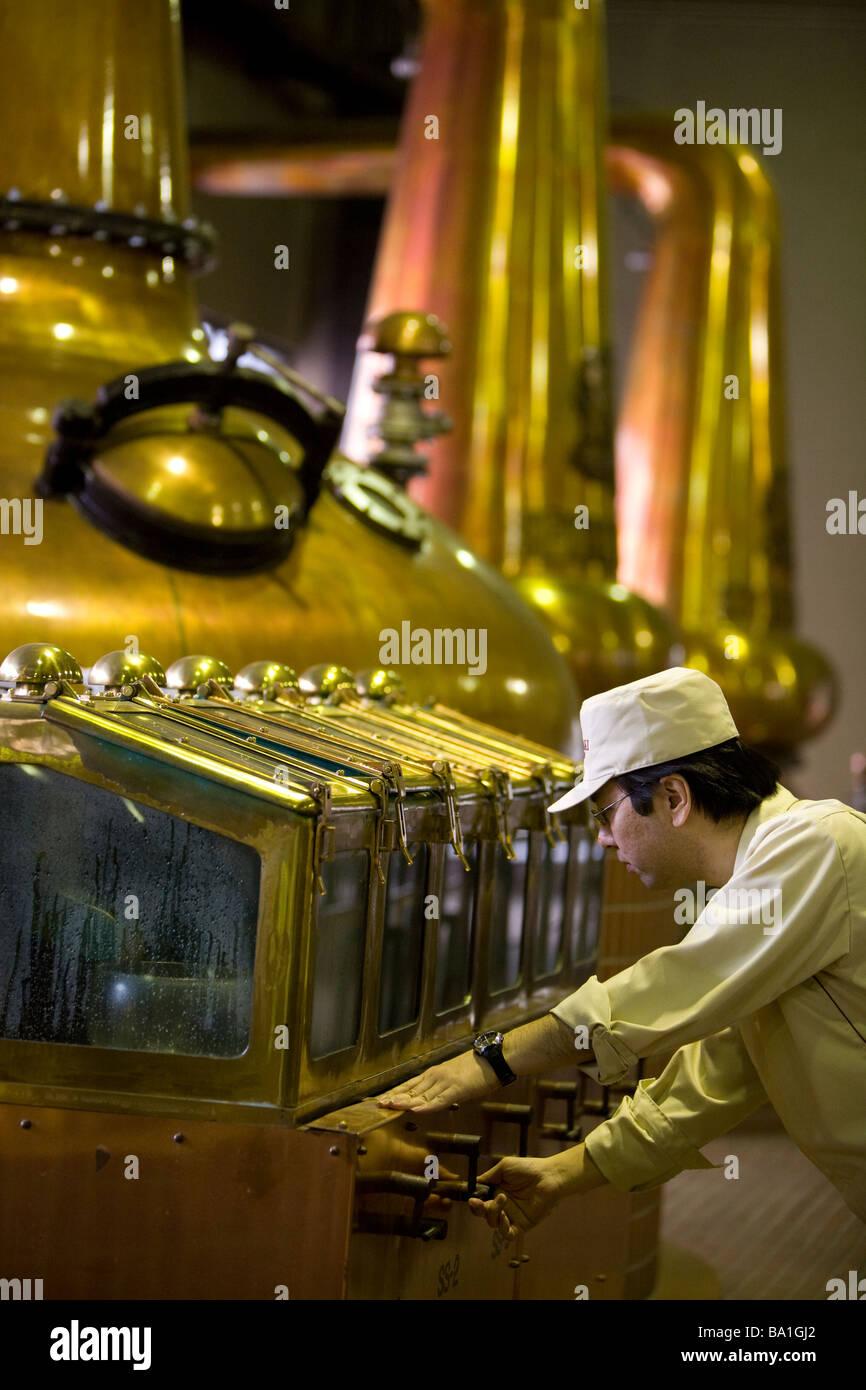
{"x":508,"y":908}
{"x":340,"y":934}
{"x":403,"y":939}
{"x":583,"y":841}
{"x":554,"y":871}
{"x":595,"y":879}
{"x":456,"y":927}
{"x":120,"y":925}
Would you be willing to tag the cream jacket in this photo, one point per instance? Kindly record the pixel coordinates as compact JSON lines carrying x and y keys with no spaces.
{"x":765,"y":1000}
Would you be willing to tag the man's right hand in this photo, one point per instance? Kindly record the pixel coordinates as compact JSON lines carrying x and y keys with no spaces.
{"x":466,"y":1077}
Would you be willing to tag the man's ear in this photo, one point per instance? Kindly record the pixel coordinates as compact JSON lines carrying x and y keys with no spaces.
{"x":677,"y":798}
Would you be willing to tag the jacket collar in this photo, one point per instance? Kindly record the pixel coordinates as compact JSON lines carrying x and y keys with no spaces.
{"x":776,"y":805}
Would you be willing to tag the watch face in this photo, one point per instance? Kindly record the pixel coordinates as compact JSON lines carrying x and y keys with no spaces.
{"x":487,"y":1039}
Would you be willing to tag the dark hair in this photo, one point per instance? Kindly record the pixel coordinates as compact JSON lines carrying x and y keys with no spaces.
{"x":727,"y":780}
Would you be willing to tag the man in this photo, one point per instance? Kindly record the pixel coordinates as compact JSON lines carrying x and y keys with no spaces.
{"x":765,"y":996}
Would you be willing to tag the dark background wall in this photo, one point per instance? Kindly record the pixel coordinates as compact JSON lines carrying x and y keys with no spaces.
{"x":328,"y":69}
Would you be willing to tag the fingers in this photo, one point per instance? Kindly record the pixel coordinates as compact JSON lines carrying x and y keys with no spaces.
{"x":410,"y":1095}
{"x":495,"y":1214}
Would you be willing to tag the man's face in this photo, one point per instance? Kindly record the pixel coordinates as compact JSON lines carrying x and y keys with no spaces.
{"x":648,"y":845}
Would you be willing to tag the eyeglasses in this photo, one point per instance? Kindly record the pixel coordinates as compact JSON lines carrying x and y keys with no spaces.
{"x":600,"y":817}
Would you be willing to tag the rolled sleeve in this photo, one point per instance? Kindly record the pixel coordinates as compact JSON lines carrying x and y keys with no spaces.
{"x":705,"y":1090}
{"x":589,"y":1007}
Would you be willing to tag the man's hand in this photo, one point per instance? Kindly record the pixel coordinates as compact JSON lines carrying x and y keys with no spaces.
{"x":529,"y":1190}
{"x":467,"y":1077}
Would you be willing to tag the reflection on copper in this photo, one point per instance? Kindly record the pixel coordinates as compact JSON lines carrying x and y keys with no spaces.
{"x":270,"y":171}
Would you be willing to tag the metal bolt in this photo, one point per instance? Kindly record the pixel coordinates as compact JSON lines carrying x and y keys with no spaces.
{"x":333,"y":1150}
{"x":25,"y":1124}
{"x":513,"y":1264}
{"x":342,"y":1125}
{"x":178,"y":1138}
{"x":362,"y":1149}
{"x":524,"y":1258}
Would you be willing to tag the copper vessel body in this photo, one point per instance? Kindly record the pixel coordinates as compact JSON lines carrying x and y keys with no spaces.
{"x":79,"y":311}
{"x":495,"y":223}
{"x":703,"y":514}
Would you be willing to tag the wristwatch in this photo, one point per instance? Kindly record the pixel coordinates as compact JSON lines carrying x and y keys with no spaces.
{"x":489,"y":1046}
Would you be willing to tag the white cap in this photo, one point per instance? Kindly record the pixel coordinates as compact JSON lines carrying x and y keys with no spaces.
{"x":654,"y":720}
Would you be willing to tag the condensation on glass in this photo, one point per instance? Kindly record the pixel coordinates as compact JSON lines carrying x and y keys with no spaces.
{"x":121,"y":926}
{"x":403,"y":939}
{"x":456,"y":930}
{"x":340,"y":935}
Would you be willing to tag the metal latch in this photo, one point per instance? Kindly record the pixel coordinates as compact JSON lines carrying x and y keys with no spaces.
{"x":322,"y":793}
{"x":544,"y":775}
{"x":380,"y":791}
{"x":442,"y":769}
{"x":498,"y":783}
{"x":394,"y":775}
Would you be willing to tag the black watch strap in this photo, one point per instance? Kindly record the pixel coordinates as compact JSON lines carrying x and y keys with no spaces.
{"x":489,"y":1046}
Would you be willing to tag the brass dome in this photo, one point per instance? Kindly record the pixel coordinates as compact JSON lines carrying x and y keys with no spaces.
{"x":325,"y":679}
{"x":378,"y":683}
{"x":32,"y":665}
{"x":406,"y":333}
{"x":258,"y":676}
{"x":122,"y":668}
{"x":189,"y":672}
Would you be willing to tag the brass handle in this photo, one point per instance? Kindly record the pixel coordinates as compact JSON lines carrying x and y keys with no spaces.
{"x":469,"y":1146}
{"x":510,"y":1114}
{"x":559,"y":1090}
{"x":416,"y":1226}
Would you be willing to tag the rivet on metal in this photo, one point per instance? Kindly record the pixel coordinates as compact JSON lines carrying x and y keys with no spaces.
{"x":333,"y":1150}
{"x":25,"y":1124}
{"x":178,"y":1138}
